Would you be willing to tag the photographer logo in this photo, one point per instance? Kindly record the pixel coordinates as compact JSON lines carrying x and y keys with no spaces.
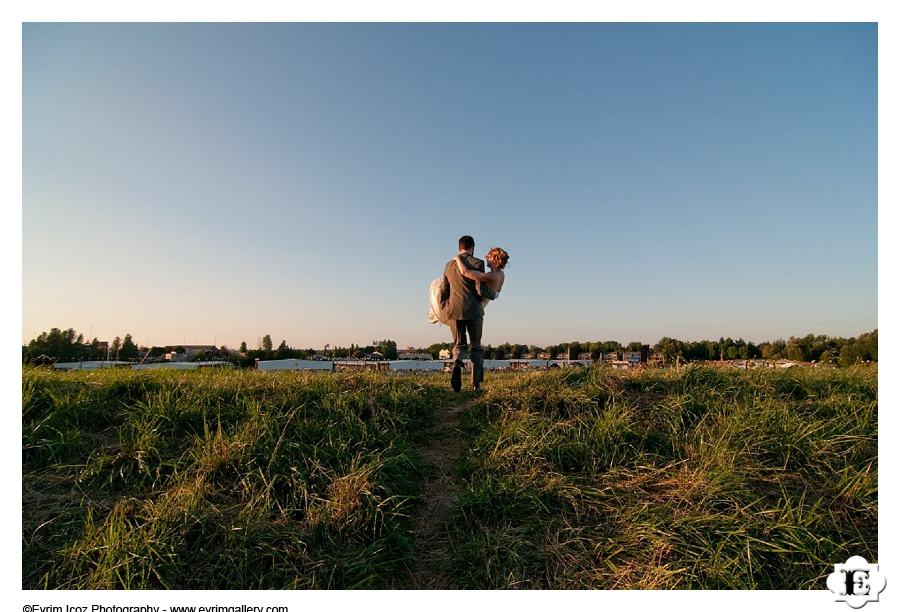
{"x":856,"y":582}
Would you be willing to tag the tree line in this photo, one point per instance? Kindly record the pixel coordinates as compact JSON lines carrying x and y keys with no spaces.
{"x":821,"y":349}
{"x":386,"y":349}
{"x":68,"y":345}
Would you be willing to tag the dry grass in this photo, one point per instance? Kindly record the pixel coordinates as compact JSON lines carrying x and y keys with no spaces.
{"x":568,"y":479}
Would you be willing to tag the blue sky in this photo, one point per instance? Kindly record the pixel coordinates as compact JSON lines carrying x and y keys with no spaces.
{"x":200,"y":183}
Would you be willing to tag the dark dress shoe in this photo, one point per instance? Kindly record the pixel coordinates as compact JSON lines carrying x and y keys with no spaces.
{"x":456,"y":378}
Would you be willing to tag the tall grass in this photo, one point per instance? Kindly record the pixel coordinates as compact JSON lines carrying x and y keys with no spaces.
{"x":694,"y":479}
{"x":572,"y":479}
{"x":218,"y":479}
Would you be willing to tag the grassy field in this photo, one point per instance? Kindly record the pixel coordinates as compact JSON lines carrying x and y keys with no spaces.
{"x":570,"y":479}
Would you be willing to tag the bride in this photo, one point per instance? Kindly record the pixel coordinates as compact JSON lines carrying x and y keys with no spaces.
{"x":496,"y":259}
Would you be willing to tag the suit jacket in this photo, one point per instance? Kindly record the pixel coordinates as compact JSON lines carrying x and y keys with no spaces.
{"x":460,"y":296}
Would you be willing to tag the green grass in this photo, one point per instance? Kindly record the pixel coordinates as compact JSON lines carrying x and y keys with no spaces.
{"x":572,"y":479}
{"x":219,"y":479}
{"x":694,"y":479}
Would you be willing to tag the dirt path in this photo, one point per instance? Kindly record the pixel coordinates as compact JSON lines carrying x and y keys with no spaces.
{"x":432,"y":545}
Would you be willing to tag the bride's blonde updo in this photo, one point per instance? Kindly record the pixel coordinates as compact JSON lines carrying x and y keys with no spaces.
{"x":497,"y":258}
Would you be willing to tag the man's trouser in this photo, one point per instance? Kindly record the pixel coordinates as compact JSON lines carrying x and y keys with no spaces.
{"x":459,"y":329}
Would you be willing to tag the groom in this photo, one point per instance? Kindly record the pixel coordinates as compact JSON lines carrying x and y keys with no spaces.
{"x":461,"y":301}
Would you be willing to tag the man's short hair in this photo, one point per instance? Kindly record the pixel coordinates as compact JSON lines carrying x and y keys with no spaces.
{"x":466,"y":243}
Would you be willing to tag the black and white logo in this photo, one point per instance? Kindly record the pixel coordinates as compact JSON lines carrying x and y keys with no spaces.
{"x":856,"y":582}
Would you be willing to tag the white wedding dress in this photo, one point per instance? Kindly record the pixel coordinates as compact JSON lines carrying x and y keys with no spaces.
{"x":435,"y":314}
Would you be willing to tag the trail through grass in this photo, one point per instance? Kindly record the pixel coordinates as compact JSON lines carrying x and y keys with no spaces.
{"x":441,"y":453}
{"x":571,"y":479}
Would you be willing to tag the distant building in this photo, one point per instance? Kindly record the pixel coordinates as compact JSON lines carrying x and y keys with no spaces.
{"x":584,"y":356}
{"x":528,"y":356}
{"x":412,"y":355}
{"x":194,"y":349}
{"x":632,"y":357}
{"x":444,"y":354}
{"x":656,"y":359}
{"x":543,"y":355}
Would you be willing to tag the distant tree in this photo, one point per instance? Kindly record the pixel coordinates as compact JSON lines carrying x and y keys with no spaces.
{"x":827,"y":356}
{"x":128,"y":350}
{"x":634,"y":346}
{"x":773,"y":350}
{"x":114,"y":347}
{"x":868,"y":345}
{"x":283,"y":352}
{"x":849,"y":355}
{"x":574,"y":349}
{"x":243,"y":347}
{"x":267,"y":343}
{"x":610,"y":346}
{"x":796,"y":351}
{"x":388,"y":348}
{"x":58,"y":344}
{"x":669,"y":348}
{"x":752,"y":351}
{"x":93,"y":350}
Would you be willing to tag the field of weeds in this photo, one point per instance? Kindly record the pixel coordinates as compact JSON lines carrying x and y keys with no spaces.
{"x":195,"y":480}
{"x":570,"y":479}
{"x":701,"y":479}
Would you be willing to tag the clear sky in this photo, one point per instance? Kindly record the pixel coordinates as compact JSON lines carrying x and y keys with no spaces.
{"x":214,"y":183}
